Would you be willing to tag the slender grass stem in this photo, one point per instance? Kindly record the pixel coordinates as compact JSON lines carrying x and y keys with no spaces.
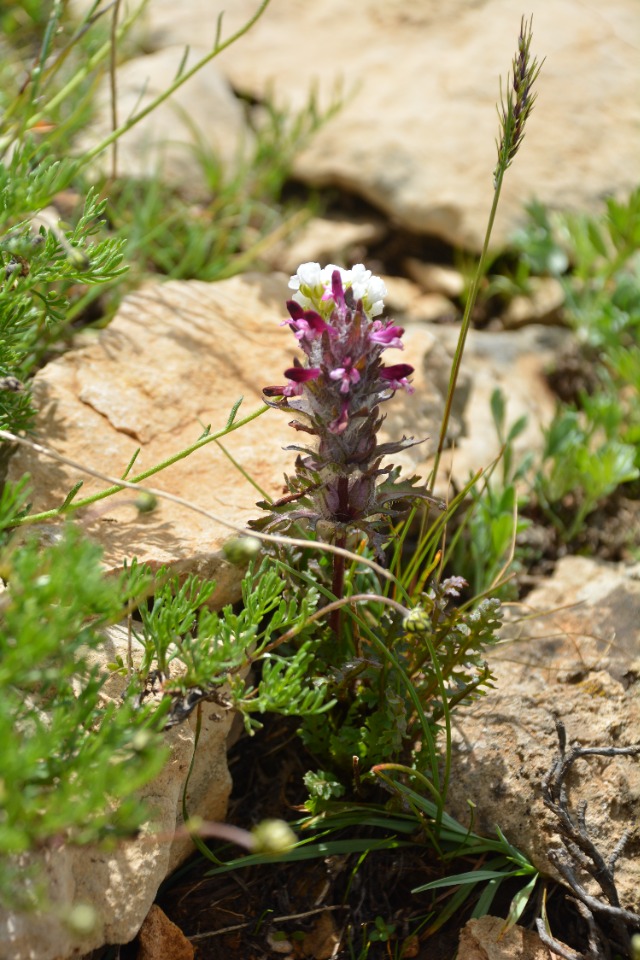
{"x":117,"y":486}
{"x":182,"y":78}
{"x":515,"y":109}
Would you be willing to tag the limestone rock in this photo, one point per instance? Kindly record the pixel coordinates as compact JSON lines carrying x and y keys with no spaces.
{"x":203,"y":113}
{"x":326,"y":240}
{"x":119,"y":886}
{"x":160,"y":939}
{"x":514,"y":361}
{"x":574,"y":655}
{"x":484,"y":939}
{"x":433,"y":308}
{"x":402,"y":294}
{"x":176,"y":358}
{"x":415,"y":136}
{"x":434,"y":278}
{"x":542,"y":305}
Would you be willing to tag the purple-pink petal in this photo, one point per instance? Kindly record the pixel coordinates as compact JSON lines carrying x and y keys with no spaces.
{"x":390,"y":335}
{"x":306,"y":323}
{"x":302,"y":374}
{"x":348,"y":374}
{"x":396,"y":372}
{"x":295,"y":310}
{"x":339,"y":425}
{"x":337,"y":290}
{"x":396,"y":376}
{"x":298,"y":377}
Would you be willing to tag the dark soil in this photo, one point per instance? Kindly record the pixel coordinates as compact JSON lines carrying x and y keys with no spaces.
{"x":316,"y":904}
{"x":322,"y":908}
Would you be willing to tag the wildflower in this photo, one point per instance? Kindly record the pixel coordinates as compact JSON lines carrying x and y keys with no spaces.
{"x":313,"y":286}
{"x":387,"y":334}
{"x":397,"y":376}
{"x":336,"y":396}
{"x":346,"y":375}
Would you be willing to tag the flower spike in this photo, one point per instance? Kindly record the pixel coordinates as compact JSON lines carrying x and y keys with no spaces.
{"x":336,"y":396}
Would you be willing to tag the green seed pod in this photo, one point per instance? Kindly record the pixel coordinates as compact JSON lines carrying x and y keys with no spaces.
{"x":241,"y":550}
{"x":273,"y":836}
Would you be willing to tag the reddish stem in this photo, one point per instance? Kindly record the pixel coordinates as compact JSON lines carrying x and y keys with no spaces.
{"x":337,"y":585}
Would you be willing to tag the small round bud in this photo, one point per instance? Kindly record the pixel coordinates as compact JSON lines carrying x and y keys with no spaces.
{"x":273,"y":836}
{"x":81,"y":919}
{"x":146,"y":502}
{"x":241,"y":550}
{"x":141,"y":740}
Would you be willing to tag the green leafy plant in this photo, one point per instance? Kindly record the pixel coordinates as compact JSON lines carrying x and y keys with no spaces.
{"x":482,"y":547}
{"x":597,"y":261}
{"x":210,"y":649}
{"x":406,"y":822}
{"x":73,"y":759}
{"x":41,"y":265}
{"x":395,"y":679}
{"x":581,"y":465}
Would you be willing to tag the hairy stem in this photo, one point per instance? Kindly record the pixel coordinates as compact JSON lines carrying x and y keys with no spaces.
{"x":337,"y":585}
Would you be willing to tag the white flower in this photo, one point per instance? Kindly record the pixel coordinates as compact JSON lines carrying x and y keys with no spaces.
{"x":328,"y":272}
{"x":313,"y":286}
{"x":360,"y":280}
{"x":308,"y":284}
{"x":308,"y":274}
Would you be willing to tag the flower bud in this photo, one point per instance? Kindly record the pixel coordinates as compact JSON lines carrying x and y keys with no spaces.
{"x":273,"y":836}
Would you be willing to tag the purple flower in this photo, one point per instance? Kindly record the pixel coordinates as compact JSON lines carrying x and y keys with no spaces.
{"x":299,"y":376}
{"x":336,"y":397}
{"x":387,"y":334}
{"x":347,"y":375}
{"x":397,"y":376}
{"x":339,"y":425}
{"x":306,"y":324}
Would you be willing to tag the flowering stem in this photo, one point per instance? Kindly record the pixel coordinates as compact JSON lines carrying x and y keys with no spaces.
{"x":337,"y":585}
{"x":340,"y":484}
{"x":514,"y":111}
{"x":464,"y":330}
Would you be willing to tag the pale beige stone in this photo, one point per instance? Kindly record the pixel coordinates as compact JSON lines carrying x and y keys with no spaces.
{"x":326,"y":240}
{"x":573,"y":656}
{"x":487,"y":939}
{"x":542,"y":304}
{"x":416,"y":134}
{"x":433,"y":308}
{"x":434,"y":278}
{"x":402,"y":294}
{"x":515,"y":362}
